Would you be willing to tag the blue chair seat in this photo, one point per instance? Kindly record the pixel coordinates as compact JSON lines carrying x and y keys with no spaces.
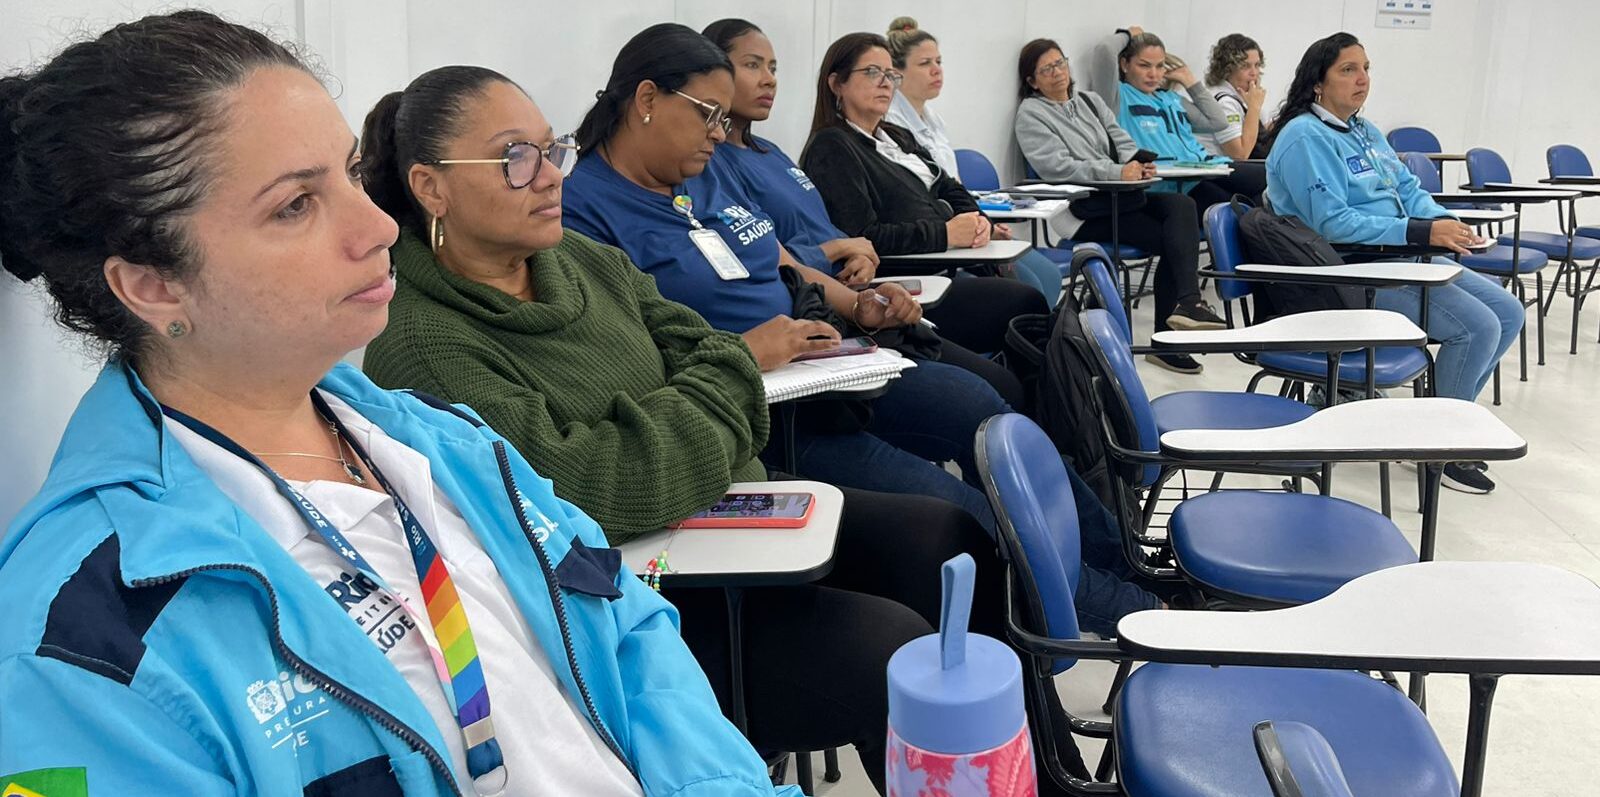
{"x":1126,"y":251}
{"x":1185,"y":730}
{"x":1498,"y":260}
{"x":1061,"y":254}
{"x":1589,"y":232}
{"x":1287,"y":548}
{"x":1394,"y":365}
{"x":1554,"y":244}
{"x":1211,"y":409}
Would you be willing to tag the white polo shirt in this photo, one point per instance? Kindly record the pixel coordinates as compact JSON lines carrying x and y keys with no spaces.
{"x":1233,"y":105}
{"x":548,"y":743}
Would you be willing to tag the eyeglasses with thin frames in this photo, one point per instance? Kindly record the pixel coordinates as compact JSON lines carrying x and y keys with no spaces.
{"x":881,"y":76}
{"x":1053,"y":68}
{"x":716,"y":115}
{"x":523,"y":160}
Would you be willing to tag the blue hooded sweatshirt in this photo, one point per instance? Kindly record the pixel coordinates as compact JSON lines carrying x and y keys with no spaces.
{"x":1344,"y":181}
{"x":158,"y":641}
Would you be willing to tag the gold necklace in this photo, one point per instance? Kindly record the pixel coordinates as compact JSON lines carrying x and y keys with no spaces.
{"x":350,"y":471}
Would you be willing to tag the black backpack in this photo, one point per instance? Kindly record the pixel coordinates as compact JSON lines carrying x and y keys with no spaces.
{"x":1286,"y":240}
{"x":1057,"y":347}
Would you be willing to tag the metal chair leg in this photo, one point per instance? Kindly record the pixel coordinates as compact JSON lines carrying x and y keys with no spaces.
{"x":802,"y":772}
{"x":1108,"y":762}
{"x":1538,"y":298}
{"x":830,"y":765}
{"x":1124,"y":667}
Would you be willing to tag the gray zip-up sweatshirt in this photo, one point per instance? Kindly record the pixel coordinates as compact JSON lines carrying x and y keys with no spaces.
{"x":1071,"y":141}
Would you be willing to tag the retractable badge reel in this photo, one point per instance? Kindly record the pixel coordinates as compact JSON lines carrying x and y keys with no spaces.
{"x":711,"y":246}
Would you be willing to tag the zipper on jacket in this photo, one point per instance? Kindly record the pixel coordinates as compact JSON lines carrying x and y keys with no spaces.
{"x":558,"y":604}
{"x":305,"y":670}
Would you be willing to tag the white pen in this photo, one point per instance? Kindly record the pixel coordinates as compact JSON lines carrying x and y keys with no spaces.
{"x":884,"y":300}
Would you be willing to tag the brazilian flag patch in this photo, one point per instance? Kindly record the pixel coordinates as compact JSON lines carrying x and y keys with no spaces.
{"x":58,"y":782}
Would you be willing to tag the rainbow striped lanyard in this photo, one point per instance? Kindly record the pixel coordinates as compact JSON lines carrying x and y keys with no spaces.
{"x":456,"y":660}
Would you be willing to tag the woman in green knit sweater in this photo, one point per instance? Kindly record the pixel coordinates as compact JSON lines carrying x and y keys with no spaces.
{"x":637,"y":409}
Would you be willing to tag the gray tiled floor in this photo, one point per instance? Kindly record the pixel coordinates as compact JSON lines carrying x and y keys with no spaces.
{"x":1545,"y":729}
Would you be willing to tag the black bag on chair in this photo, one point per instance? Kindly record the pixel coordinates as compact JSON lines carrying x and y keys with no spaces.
{"x":1286,"y":240}
{"x":1063,"y":396}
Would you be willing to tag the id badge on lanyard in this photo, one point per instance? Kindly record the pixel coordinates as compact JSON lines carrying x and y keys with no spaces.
{"x":1382,"y":167}
{"x":711,"y":246}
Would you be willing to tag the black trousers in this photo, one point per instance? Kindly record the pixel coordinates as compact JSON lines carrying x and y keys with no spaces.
{"x":974,"y":316}
{"x":815,"y":656}
{"x":1249,"y":179}
{"x":1164,"y":226}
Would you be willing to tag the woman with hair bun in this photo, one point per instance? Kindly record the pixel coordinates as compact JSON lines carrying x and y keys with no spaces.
{"x":915,"y":52}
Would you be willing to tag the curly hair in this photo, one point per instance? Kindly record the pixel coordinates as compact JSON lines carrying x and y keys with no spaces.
{"x":1228,"y":54}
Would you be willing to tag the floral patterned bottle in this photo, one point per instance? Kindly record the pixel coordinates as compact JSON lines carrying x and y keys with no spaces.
{"x":957,"y":727}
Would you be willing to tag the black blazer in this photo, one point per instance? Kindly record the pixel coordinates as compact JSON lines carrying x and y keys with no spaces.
{"x":884,"y":202}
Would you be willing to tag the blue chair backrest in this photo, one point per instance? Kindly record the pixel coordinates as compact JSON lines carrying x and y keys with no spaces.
{"x":1032,"y":498}
{"x":1298,"y":761}
{"x":1227,"y":249}
{"x":1484,"y":165}
{"x":1096,"y":270}
{"x":1427,"y":174}
{"x":1566,"y":160}
{"x":977,"y":173}
{"x":1127,"y":395}
{"x":1027,"y":169}
{"x":1413,"y":139}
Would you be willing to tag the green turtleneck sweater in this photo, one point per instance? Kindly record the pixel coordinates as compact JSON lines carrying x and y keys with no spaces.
{"x":637,"y":410}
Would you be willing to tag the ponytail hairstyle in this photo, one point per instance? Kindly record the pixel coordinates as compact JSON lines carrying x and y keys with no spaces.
{"x":666,"y":54}
{"x":723,"y":33}
{"x":1313,"y":69}
{"x":1228,"y":54}
{"x":106,"y":149}
{"x":903,"y":37}
{"x":840,"y":58}
{"x":1136,"y":45}
{"x":413,"y":126}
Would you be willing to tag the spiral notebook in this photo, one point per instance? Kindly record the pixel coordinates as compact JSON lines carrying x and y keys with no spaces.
{"x":811,"y":377}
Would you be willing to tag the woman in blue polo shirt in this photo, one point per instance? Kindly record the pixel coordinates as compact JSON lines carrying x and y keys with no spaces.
{"x":646,"y":183}
{"x":975,"y":313}
{"x":1334,"y":170}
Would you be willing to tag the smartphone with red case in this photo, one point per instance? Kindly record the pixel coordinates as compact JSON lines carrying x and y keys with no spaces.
{"x":846,"y":347}
{"x":754,"y":510}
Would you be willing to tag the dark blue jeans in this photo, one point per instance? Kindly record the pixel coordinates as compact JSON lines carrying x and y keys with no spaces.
{"x":1105,"y":590}
{"x":931,"y":414}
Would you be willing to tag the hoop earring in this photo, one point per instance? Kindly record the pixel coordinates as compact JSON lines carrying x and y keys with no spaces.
{"x":436,"y":235}
{"x":177,"y":329}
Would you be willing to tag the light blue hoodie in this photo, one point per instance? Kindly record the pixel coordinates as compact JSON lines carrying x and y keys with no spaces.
{"x":1344,"y":181}
{"x":157,"y":641}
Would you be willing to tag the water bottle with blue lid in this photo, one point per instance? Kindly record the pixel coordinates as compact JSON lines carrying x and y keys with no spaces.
{"x":957,"y":723}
